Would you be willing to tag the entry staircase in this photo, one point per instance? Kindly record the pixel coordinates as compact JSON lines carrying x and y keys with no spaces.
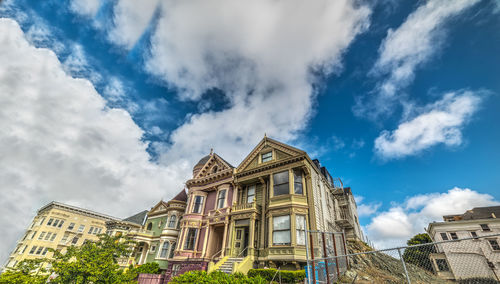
{"x":227,"y":266}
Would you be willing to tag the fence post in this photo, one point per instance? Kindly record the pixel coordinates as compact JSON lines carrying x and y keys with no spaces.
{"x":312,"y":256}
{"x":345,"y":250}
{"x":404,"y":266}
{"x":326,"y":259}
{"x":307,"y":259}
{"x":336,"y":258}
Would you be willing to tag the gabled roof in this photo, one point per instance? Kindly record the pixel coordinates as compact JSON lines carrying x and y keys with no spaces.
{"x":137,"y":218}
{"x":272,"y":143}
{"x":213,"y":157}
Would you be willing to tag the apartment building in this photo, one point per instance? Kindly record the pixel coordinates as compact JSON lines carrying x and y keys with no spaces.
{"x":58,"y":226}
{"x":472,"y":258}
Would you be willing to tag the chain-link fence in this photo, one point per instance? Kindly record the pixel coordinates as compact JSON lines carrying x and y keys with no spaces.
{"x":466,"y":260}
{"x":323,"y":262}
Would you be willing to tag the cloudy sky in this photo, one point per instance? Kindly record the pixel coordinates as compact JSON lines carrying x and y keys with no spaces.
{"x":107,"y":104}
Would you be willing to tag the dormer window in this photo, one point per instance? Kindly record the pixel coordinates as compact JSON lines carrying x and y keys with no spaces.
{"x":266,"y":157}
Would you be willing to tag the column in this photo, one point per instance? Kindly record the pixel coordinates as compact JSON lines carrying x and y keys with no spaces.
{"x":223,"y":253}
{"x":251,"y":241}
{"x":229,"y":250}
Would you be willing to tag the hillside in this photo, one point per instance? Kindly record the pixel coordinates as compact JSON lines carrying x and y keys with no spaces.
{"x":382,"y":268}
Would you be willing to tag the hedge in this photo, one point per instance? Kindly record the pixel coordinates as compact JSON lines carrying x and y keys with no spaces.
{"x":287,"y":276}
{"x":216,"y":277}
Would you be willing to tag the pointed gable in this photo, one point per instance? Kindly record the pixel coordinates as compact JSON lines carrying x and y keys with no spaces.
{"x":278,"y":151}
{"x":213,"y":165}
{"x":158,"y":208}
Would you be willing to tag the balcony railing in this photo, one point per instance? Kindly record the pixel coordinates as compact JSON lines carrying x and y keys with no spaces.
{"x":245,"y":206}
{"x":344,"y":219}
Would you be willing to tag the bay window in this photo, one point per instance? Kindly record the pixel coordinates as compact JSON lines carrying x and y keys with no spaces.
{"x":280,"y":183}
{"x":281,"y":230}
{"x":198,"y":202}
{"x":221,"y":198}
{"x":297,"y":181}
{"x":172,"y":250}
{"x":171,"y":223}
{"x":300,"y":224}
{"x":190,"y":239}
{"x":164,"y":250}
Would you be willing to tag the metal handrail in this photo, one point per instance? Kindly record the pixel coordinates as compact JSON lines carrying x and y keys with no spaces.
{"x":242,"y":252}
{"x":213,"y":256}
{"x":277,"y":271}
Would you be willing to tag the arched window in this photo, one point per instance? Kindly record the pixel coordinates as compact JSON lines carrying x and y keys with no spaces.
{"x":172,"y":249}
{"x":214,"y":169}
{"x":149,"y":227}
{"x":164,"y":250}
{"x":171,"y":223}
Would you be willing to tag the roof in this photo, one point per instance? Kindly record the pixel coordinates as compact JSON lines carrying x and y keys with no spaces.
{"x":181,"y":196}
{"x":203,"y":161}
{"x":77,"y":210}
{"x":137,"y":218}
{"x":482,"y":213}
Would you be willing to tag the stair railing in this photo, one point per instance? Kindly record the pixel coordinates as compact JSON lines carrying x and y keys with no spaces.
{"x":217,"y":253}
{"x":242,"y":251}
{"x":277,"y":271}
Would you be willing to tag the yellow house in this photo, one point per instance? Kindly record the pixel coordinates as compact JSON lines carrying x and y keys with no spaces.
{"x":58,"y":226}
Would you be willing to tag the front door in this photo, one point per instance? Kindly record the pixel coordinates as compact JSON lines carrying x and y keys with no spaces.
{"x":240,"y":241}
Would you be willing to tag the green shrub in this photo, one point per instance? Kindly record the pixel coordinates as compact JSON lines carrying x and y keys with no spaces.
{"x":216,"y":277}
{"x":287,"y":276}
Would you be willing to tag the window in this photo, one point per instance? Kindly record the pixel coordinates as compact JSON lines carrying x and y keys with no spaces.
{"x":33,"y":249}
{"x":485,"y":227}
{"x":99,"y":231}
{"x":53,"y":237}
{"x":56,"y":222}
{"x":153,"y":248}
{"x":198,"y":202}
{"x":47,"y":237}
{"x":24,"y":249}
{"x":444,"y":236}
{"x":473,"y":234}
{"x":60,"y":224}
{"x":221,"y":198}
{"x":41,"y":221}
{"x":190,"y":239}
{"x":454,"y":236}
{"x":41,"y":235}
{"x":251,"y":194}
{"x":50,"y":221}
{"x":491,"y":265}
{"x":494,"y":245}
{"x":150,"y":226}
{"x":281,"y":230}
{"x":45,"y":251}
{"x":164,"y":250}
{"x":64,"y":238}
{"x":173,"y":220}
{"x":39,"y":251}
{"x":74,"y":241}
{"x":442,"y":265}
{"x":297,"y":181}
{"x":71,"y":226}
{"x":281,"y":183}
{"x":91,"y":230}
{"x":81,"y":228}
{"x":300,"y":224}
{"x":33,"y":236}
{"x":266,"y":157}
{"x":96,"y":230}
{"x":172,"y":250}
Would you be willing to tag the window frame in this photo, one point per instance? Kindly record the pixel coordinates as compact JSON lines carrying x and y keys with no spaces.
{"x":164,"y":250}
{"x":485,"y":227}
{"x":495,"y":246}
{"x":173,"y":219}
{"x":50,"y":221}
{"x":289,"y":230}
{"x":221,"y":199}
{"x":187,"y":242}
{"x":254,"y":187}
{"x":199,"y":209}
{"x":281,"y":184}
{"x":444,"y":236}
{"x":298,"y":230}
{"x":266,"y":157}
{"x":71,"y":226}
{"x":295,"y":182}
{"x":454,"y":236}
{"x":173,"y":245}
{"x":81,"y":228}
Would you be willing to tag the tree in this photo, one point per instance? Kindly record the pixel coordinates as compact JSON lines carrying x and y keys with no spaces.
{"x":93,"y":262}
{"x":419,"y":255}
{"x":28,"y":271}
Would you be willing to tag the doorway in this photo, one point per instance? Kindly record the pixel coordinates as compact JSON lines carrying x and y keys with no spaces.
{"x":215,"y":244}
{"x":241,"y":241}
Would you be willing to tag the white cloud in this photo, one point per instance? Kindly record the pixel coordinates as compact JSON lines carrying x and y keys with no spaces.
{"x":437,"y":123}
{"x":260,"y":54}
{"x":365,"y":210}
{"x":399,"y":223}
{"x":85,"y":7}
{"x":407,"y":48}
{"x":59,"y":141}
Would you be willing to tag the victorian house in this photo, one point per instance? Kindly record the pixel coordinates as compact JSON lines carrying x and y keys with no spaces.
{"x":256,"y":215}
{"x":154,"y":232}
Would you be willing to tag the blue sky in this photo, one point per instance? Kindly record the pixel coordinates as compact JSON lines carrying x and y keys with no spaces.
{"x":398,"y":98}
